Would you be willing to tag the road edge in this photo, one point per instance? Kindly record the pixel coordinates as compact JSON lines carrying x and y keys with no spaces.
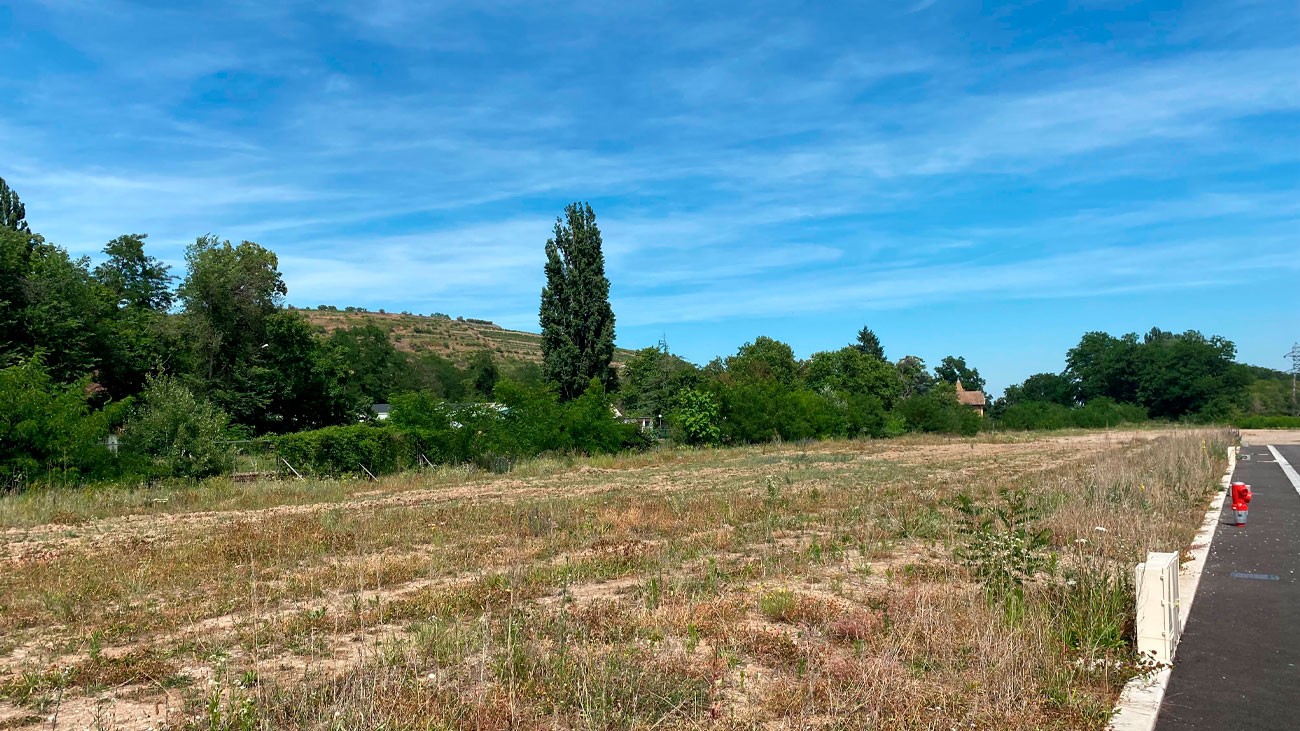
{"x":1139,"y":702}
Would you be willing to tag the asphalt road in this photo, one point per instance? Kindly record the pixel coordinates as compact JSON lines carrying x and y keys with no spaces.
{"x":1238,"y":664}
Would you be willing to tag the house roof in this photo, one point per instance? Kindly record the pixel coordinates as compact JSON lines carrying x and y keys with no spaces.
{"x":970,"y":398}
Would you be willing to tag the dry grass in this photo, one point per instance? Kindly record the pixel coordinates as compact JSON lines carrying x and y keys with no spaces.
{"x":786,"y":586}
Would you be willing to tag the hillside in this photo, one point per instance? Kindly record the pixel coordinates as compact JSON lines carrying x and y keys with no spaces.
{"x":453,"y":339}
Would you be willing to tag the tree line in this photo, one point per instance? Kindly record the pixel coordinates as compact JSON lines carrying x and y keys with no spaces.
{"x":1161,"y":375}
{"x":173,"y":367}
{"x":764,"y":392}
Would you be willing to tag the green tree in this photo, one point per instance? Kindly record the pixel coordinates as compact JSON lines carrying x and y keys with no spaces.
{"x":1172,"y":375}
{"x":953,"y":368}
{"x":652,"y":380}
{"x":296,"y":381}
{"x":141,"y":337}
{"x":482,"y":374}
{"x":228,"y":294}
{"x":914,"y":376}
{"x":66,"y":313}
{"x":1189,"y":374}
{"x":1104,"y":413}
{"x":938,"y":410}
{"x":590,"y":424}
{"x":533,"y":420}
{"x":433,"y":373}
{"x":1050,"y":388}
{"x":576,"y":318}
{"x":1047,"y":387}
{"x":764,"y":359}
{"x":12,"y":212}
{"x":1036,"y":415}
{"x":1102,"y":365}
{"x":46,"y":428}
{"x":523,"y":372}
{"x":862,"y":386}
{"x":1269,"y":392}
{"x":373,"y":370}
{"x":260,"y":364}
{"x":52,"y":303}
{"x":762,"y":410}
{"x":16,"y":252}
{"x":137,"y":280}
{"x":869,"y":344}
{"x":852,"y":371}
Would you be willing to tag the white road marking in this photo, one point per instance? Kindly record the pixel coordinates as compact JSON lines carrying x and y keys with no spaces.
{"x":1291,"y":474}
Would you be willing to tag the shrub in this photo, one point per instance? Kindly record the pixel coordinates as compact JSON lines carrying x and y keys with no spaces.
{"x":805,"y":414}
{"x":1106,"y":412}
{"x":1004,"y":550}
{"x":1269,"y":422}
{"x":418,"y":410}
{"x":750,"y":412}
{"x":778,"y":606}
{"x":763,"y":410}
{"x":938,"y":410}
{"x":532,"y":422}
{"x":340,"y":450}
{"x":179,"y":431}
{"x":1097,"y":413}
{"x":696,"y":418}
{"x":866,"y":414}
{"x":1035,"y":415}
{"x":590,"y":424}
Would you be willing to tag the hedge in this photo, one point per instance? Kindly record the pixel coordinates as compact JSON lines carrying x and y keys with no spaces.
{"x":1269,"y":422}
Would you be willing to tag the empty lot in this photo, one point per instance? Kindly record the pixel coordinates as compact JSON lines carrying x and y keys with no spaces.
{"x":827,"y":585}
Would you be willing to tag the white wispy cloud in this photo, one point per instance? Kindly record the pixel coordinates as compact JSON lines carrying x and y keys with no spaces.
{"x":1100,"y":272}
{"x":414,"y":155}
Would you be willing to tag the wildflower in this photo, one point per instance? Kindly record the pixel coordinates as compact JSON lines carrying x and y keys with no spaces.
{"x":1100,"y":529}
{"x":1080,"y":540}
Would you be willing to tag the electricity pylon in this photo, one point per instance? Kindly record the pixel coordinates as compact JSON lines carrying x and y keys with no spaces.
{"x":1294,"y":355}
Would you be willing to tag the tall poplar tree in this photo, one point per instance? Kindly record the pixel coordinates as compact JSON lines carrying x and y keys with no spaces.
{"x":12,"y":211}
{"x":577,"y":321}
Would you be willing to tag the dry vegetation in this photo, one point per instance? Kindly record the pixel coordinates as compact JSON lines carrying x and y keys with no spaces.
{"x":455,"y":340}
{"x":792,"y":586}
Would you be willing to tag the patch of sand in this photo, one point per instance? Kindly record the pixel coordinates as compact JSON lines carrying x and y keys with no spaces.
{"x":1257,"y":437}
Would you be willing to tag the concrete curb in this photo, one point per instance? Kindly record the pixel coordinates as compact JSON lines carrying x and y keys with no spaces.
{"x":1139,"y":702}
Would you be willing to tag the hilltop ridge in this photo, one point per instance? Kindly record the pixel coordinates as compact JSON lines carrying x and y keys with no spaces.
{"x":455,"y":339}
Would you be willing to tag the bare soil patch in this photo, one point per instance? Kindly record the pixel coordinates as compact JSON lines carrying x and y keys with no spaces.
{"x":1270,"y":436}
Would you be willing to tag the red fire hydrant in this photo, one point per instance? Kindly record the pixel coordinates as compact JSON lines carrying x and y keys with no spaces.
{"x":1240,"y":502}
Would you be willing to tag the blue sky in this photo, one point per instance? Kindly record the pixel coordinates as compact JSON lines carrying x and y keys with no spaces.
{"x":986,"y":180}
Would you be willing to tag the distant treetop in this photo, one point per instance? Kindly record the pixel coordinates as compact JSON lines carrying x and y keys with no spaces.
{"x":12,"y":212}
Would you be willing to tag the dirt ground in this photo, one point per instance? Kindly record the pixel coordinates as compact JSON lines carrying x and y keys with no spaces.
{"x":1259,"y":437}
